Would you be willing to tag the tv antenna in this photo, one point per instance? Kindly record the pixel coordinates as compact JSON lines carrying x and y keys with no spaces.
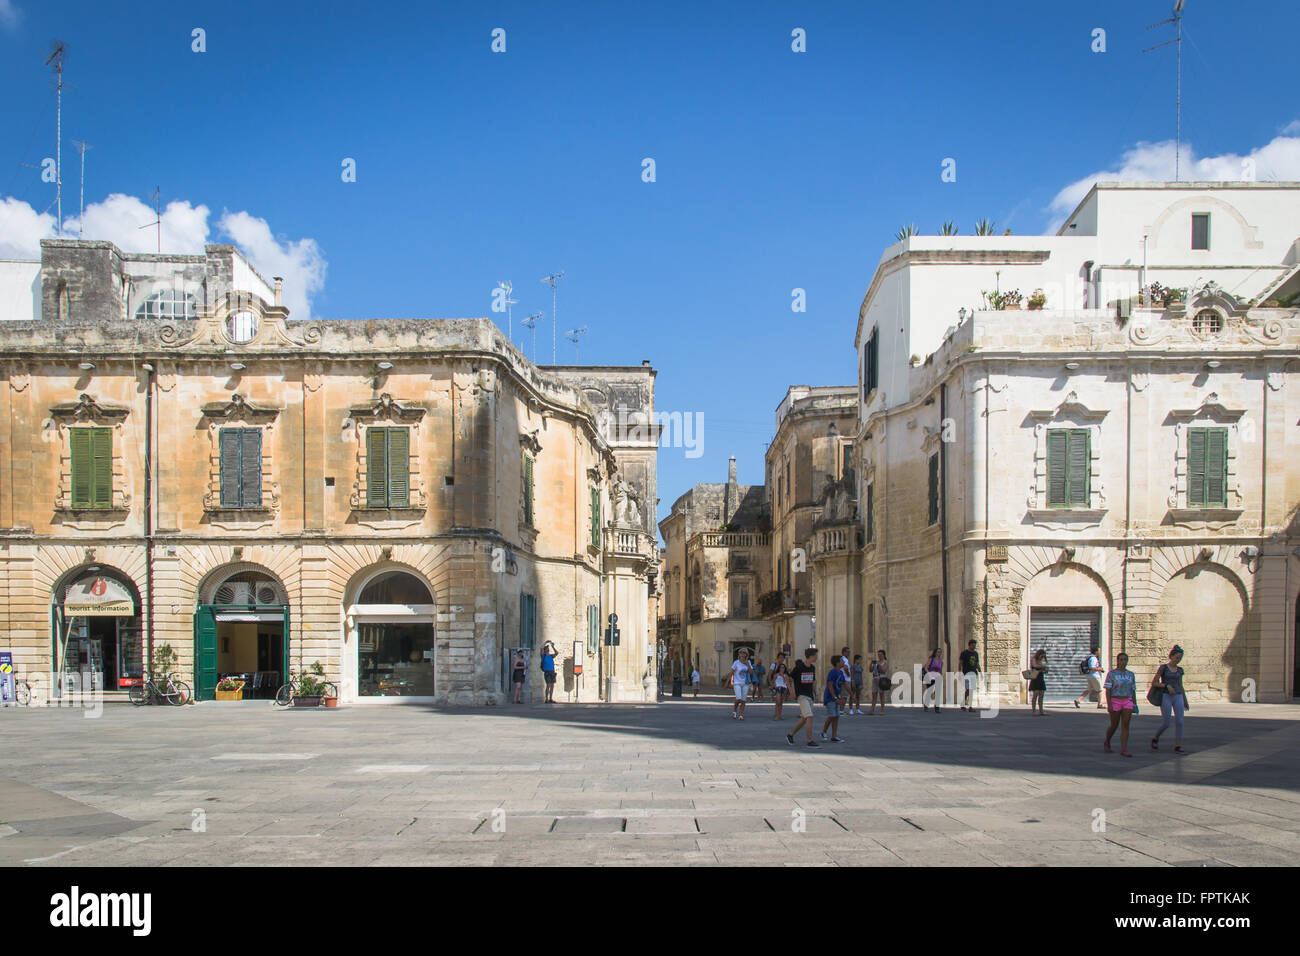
{"x":510,"y":325}
{"x":1177,"y":21}
{"x":531,"y":322}
{"x":572,"y":335}
{"x":58,"y":53}
{"x":82,"y":146}
{"x":551,"y":280}
{"x":157,"y":222}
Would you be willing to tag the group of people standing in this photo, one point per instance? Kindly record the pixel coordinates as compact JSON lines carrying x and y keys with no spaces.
{"x":1119,"y":686}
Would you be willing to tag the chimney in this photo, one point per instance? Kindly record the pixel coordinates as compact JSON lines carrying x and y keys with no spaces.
{"x":731,"y":470}
{"x":731,"y":503}
{"x":279,"y":290}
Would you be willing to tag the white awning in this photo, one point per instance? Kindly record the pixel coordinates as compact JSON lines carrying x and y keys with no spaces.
{"x":276,"y":618}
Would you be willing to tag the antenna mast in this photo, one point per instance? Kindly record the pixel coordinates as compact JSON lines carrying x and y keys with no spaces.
{"x":1177,"y":21}
{"x":531,"y":322}
{"x":55,"y":60}
{"x":82,"y":146}
{"x":551,"y":280}
{"x":510,"y":325}
{"x":157,"y":218}
{"x":572,"y":335}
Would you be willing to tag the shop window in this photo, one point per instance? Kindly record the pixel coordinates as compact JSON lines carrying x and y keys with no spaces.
{"x":1068,"y":467}
{"x":1207,"y":468}
{"x":388,"y":464}
{"x":92,"y":467}
{"x":241,"y":467}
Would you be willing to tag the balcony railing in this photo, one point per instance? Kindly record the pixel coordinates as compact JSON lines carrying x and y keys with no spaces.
{"x":669,"y":623}
{"x":731,"y":539}
{"x":697,"y":615}
{"x":622,"y":541}
{"x":777,"y":602}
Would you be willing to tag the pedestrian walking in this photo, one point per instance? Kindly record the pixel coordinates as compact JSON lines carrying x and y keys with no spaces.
{"x":932,"y":680}
{"x":880,"y":682}
{"x":518,"y":671}
{"x":780,"y":686}
{"x":740,"y":683}
{"x":804,"y":676}
{"x":844,"y":684}
{"x":756,"y":680}
{"x":1167,"y":688}
{"x":1091,"y":666}
{"x":695,"y":681}
{"x":855,"y":694}
{"x":549,"y":653}
{"x":831,"y":697}
{"x":1037,"y":681}
{"x":1121,"y":701}
{"x":970,"y":674}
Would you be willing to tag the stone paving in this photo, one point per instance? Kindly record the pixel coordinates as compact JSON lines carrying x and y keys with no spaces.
{"x":678,"y":783}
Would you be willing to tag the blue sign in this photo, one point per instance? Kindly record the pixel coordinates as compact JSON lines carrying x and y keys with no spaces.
{"x":6,"y":677}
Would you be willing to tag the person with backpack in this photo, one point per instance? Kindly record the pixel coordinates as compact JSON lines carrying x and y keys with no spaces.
{"x":880,"y":682}
{"x":1091,"y":668}
{"x":931,"y":680}
{"x":1037,"y":681}
{"x":970,"y":674}
{"x":1167,"y":691}
{"x":804,"y":675}
{"x":549,"y":653}
{"x":831,"y":699}
{"x":1121,"y":701}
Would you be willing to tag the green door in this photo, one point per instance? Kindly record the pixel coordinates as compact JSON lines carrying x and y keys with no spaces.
{"x":285,"y":676}
{"x":205,"y":653}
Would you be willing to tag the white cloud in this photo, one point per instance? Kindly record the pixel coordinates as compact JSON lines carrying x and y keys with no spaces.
{"x":128,"y":223}
{"x":301,"y":263}
{"x":9,"y":15}
{"x":1278,"y":159}
{"x":22,"y":228}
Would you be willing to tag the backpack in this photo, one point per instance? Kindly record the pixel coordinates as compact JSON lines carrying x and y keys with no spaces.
{"x":1084,"y":669}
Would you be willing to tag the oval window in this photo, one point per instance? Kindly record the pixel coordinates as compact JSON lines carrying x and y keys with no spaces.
{"x":242,"y":326}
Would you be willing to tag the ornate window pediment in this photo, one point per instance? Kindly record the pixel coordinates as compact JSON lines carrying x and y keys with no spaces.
{"x":397,"y":415}
{"x":108,"y":420}
{"x":86,"y":411}
{"x":1209,"y":415}
{"x":242,"y":321}
{"x":388,"y":409}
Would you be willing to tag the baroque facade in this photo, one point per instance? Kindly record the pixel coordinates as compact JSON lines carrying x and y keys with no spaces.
{"x":401,"y":501}
{"x":1118,"y":463}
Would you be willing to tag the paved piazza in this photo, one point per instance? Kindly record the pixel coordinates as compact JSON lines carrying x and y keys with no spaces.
{"x":679,"y":783}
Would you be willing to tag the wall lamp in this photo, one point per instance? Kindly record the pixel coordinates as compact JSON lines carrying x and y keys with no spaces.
{"x":1072,"y":366}
{"x":238,"y":366}
{"x":385,"y":366}
{"x":1213,"y":363}
{"x":86,"y":367}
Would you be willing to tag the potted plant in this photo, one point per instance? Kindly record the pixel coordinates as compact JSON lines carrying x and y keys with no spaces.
{"x":1037,"y":300}
{"x":311,"y":687}
{"x":331,"y":698}
{"x":1012,"y":299}
{"x":228,"y":688}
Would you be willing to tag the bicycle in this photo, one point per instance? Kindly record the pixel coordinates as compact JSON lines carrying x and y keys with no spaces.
{"x":187,"y":694}
{"x":22,"y":692}
{"x":166,"y":692}
{"x":294,"y":688}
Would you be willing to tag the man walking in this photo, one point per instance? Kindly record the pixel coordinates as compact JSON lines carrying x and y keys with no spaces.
{"x":740,"y":683}
{"x":1095,"y":672}
{"x":970,"y":674}
{"x":831,"y":698}
{"x":804,"y":675}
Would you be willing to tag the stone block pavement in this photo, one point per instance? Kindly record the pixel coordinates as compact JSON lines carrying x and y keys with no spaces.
{"x":677,"y":783}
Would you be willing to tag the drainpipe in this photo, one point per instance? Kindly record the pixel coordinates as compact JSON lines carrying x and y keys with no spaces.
{"x":943,"y":516}
{"x":148,"y":515}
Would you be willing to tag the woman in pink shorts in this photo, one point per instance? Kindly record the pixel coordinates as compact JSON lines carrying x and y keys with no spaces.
{"x":1121,"y":701}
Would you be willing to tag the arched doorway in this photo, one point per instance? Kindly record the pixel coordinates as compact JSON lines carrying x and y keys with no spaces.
{"x":389,"y":625}
{"x":241,"y":631}
{"x":1065,"y":610}
{"x":95,"y":630}
{"x":1204,"y":611}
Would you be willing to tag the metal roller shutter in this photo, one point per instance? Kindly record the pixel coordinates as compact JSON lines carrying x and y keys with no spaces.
{"x":1067,"y":636}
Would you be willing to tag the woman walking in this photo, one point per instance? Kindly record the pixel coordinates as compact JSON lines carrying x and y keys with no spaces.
{"x":780,"y":686}
{"x":1121,"y":701}
{"x":1037,"y":681}
{"x":880,"y":683}
{"x":1168,"y":684}
{"x":931,"y":679}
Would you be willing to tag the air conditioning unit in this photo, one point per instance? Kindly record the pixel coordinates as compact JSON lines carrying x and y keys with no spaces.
{"x":266,"y":594}
{"x":234,"y":592}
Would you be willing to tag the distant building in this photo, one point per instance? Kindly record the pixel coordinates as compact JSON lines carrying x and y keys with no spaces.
{"x":404,"y":501}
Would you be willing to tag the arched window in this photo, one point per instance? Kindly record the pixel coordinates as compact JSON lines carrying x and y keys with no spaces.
{"x":395,"y":587}
{"x":168,"y":304}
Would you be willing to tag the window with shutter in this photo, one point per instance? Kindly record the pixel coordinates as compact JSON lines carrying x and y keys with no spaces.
{"x":376,"y":468}
{"x":934,"y":488}
{"x":871,"y":512}
{"x":595,"y":517}
{"x":1057,"y":491}
{"x":528,"y":489}
{"x":250,"y":468}
{"x":1207,"y":467}
{"x":92,"y":467}
{"x":1079,"y":467}
{"x":1069,"y":467}
{"x":388,"y":468}
{"x":79,"y":439}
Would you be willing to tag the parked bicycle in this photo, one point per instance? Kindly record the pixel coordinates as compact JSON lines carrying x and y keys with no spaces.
{"x":164,"y":691}
{"x":22,"y":692}
{"x":308,"y":684}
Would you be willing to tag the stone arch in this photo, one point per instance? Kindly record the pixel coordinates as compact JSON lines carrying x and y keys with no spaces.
{"x":1211,"y":204}
{"x":362,"y":578}
{"x":1167,"y":562}
{"x":1106,"y":565}
{"x":1068,"y":585}
{"x":206,"y":589}
{"x":1205,"y":609}
{"x":204,"y":564}
{"x":52,"y":564}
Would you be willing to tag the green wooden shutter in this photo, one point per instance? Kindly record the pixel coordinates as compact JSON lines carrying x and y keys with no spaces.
{"x":228,"y":449}
{"x":1057,"y":442}
{"x":593,"y":628}
{"x":871,"y":512}
{"x":205,"y":653}
{"x":1196,"y":467}
{"x":1078,"y":466}
{"x":376,"y":468}
{"x":399,"y":468}
{"x":528,"y":489}
{"x":101,"y":455}
{"x":1216,"y":467}
{"x":595,"y":517}
{"x":250,"y":468}
{"x":934,"y":488}
{"x":81,"y":468}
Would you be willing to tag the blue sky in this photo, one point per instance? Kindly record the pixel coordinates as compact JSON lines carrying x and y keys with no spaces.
{"x":775,"y":170}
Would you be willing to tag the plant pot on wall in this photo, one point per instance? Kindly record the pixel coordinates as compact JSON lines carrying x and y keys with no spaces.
{"x":331,"y":701}
{"x":307,"y":701}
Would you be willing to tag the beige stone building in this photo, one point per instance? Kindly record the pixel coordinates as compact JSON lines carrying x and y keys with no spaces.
{"x":1117,"y":463}
{"x":402,"y":501}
